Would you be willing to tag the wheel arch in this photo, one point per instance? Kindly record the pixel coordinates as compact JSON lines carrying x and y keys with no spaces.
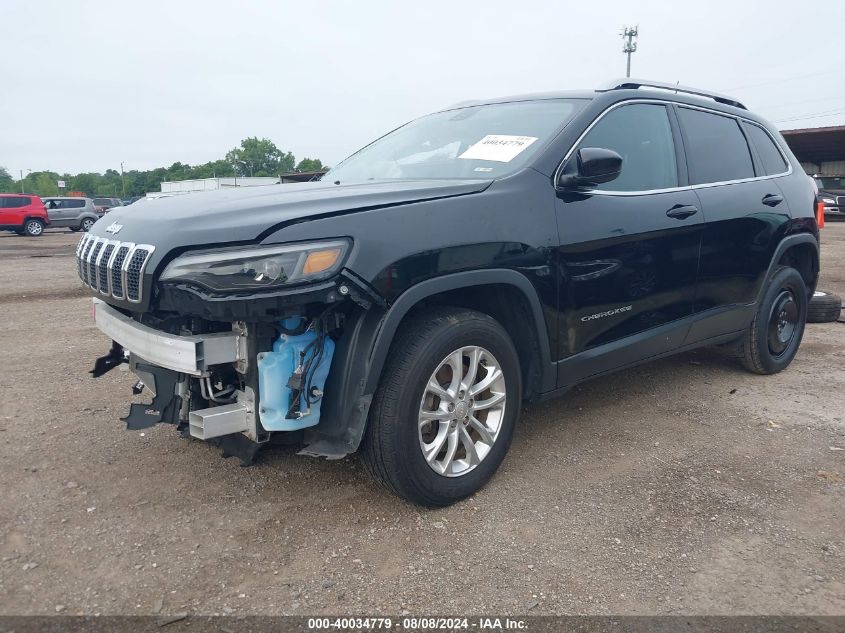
{"x":804,"y":257}
{"x":362,"y":352}
{"x":448,"y":289}
{"x":799,"y":251}
{"x":44,"y":223}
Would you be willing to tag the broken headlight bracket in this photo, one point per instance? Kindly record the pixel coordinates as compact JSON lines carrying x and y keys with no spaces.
{"x":352,"y":286}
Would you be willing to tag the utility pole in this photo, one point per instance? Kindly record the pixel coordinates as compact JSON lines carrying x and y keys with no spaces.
{"x":629,"y":39}
{"x":122,"y":180}
{"x":28,"y":171}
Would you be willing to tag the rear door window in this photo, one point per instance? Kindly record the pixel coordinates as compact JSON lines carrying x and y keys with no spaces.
{"x":642,"y":135}
{"x":74,"y":204}
{"x":715,"y":146}
{"x":14,"y":202}
{"x":770,"y":155}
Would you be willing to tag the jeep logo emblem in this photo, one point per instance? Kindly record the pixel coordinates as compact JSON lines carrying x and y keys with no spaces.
{"x":113,"y":228}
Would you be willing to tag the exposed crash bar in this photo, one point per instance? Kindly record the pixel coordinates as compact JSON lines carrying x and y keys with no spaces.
{"x":188,"y":354}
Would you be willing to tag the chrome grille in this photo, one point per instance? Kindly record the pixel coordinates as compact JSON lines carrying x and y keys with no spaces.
{"x":83,"y":267}
{"x":113,"y":268}
{"x":103,"y":268}
{"x":133,"y":269}
{"x":92,"y":263}
{"x":116,"y":268}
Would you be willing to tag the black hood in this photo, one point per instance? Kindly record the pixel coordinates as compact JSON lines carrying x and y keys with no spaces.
{"x":242,"y":214}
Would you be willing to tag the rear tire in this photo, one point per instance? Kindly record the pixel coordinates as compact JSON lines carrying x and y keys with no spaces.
{"x":86,"y":225}
{"x":436,"y":436}
{"x":772,"y":340}
{"x":824,"y":308}
{"x":33,"y":227}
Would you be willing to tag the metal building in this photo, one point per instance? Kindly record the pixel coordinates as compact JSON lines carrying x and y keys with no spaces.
{"x":821,"y":150}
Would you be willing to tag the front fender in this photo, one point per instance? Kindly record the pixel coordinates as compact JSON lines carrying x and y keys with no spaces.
{"x":362,"y":352}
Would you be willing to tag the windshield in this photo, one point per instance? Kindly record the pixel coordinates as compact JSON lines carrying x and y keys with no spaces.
{"x":485,"y":141}
{"x":830,"y":182}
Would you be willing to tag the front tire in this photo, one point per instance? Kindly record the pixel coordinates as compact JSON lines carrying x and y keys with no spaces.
{"x":445,"y":411}
{"x":33,"y":227}
{"x":772,"y":340}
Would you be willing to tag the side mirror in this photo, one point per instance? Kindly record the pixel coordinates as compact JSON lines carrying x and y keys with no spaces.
{"x":589,"y":167}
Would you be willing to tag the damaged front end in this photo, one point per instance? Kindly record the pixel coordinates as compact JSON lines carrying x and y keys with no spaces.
{"x":234,"y":383}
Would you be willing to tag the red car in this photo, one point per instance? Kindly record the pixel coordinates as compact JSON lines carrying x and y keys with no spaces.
{"x":22,"y":213}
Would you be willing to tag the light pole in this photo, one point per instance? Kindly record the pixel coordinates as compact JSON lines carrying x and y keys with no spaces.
{"x":122,"y":180}
{"x":28,"y":172}
{"x":245,"y":164}
{"x":629,"y":38}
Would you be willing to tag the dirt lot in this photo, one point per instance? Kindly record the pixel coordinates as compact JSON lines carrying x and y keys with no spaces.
{"x":683,"y":486}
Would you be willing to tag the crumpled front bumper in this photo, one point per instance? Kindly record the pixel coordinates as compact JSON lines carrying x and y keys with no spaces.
{"x":192,"y":354}
{"x":164,"y":362}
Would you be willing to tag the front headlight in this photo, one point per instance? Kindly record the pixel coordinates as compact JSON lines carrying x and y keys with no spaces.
{"x":828,"y":200}
{"x":258,"y":268}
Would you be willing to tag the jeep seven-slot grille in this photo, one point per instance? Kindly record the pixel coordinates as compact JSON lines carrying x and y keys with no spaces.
{"x":113,"y":268}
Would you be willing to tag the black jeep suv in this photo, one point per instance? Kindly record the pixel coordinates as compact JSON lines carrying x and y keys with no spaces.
{"x":493,"y":253}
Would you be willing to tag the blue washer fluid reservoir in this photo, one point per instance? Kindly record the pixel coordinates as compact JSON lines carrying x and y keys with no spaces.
{"x":275,"y":369}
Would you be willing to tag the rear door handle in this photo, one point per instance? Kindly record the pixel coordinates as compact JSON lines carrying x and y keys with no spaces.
{"x":772,"y":200}
{"x":682,"y":211}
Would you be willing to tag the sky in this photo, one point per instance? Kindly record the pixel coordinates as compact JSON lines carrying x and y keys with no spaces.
{"x":88,"y":84}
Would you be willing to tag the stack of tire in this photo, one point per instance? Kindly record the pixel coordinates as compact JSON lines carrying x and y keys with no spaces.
{"x":824,"y":307}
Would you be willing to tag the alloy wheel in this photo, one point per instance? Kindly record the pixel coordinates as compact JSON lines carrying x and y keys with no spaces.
{"x":461,"y":411}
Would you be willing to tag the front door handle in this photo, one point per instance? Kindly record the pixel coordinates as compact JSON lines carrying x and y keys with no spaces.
{"x":682,"y":211}
{"x":772,"y":200}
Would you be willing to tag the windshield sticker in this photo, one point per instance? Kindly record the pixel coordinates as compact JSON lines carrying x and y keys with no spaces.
{"x":502,"y":148}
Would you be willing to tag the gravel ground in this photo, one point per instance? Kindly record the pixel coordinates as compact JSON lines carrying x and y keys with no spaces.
{"x":682,"y":486}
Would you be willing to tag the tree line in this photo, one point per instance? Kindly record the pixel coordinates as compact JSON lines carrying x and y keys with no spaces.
{"x":254,"y":157}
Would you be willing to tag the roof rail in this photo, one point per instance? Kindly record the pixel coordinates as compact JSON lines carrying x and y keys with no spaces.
{"x":629,"y":83}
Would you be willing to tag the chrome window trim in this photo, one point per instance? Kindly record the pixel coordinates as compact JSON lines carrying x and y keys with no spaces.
{"x":645,"y":192}
{"x":777,"y":145}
